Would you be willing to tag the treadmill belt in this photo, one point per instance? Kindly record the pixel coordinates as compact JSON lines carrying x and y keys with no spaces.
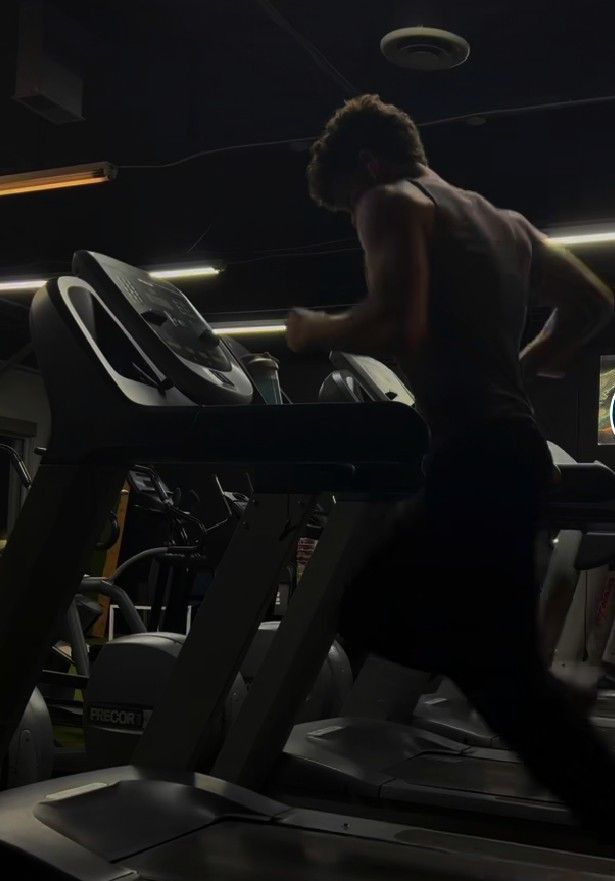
{"x":240,"y":851}
{"x":470,"y":774}
{"x":244,"y":852}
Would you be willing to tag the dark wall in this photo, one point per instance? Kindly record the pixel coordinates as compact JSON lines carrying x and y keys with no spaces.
{"x":301,"y":378}
{"x":557,"y":407}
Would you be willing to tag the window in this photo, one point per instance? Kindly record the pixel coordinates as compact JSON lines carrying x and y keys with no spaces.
{"x":606,"y":404}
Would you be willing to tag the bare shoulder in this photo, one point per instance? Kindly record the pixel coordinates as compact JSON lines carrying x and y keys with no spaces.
{"x":520,"y":222}
{"x":398,"y":195}
{"x":393,"y":203}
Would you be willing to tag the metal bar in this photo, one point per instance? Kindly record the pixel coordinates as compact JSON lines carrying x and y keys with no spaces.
{"x":301,"y":644}
{"x":65,"y":510}
{"x":222,"y":632}
{"x":120,"y":598}
{"x":66,"y":680}
{"x":18,"y":464}
{"x":78,"y":645}
{"x":559,"y":585}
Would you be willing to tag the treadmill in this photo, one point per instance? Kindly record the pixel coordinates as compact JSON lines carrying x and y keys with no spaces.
{"x":574,"y":576}
{"x":134,"y":373}
{"x":442,"y":755}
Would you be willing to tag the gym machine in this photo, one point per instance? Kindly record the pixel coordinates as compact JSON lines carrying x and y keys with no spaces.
{"x":156,"y":389}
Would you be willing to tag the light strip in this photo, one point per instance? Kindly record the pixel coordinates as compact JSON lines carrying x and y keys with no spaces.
{"x":593,"y":238}
{"x":28,"y":285}
{"x":189,"y":272}
{"x":186,"y":272}
{"x":247,"y":329}
{"x":210,"y":271}
{"x":56,"y":178}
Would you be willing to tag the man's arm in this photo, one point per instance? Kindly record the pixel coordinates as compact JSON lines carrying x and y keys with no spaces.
{"x":393,"y":230}
{"x":582,"y":306}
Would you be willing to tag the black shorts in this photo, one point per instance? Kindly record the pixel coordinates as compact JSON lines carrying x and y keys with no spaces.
{"x":454,"y":587}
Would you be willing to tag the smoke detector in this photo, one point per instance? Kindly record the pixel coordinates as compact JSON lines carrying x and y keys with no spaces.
{"x":424,"y":48}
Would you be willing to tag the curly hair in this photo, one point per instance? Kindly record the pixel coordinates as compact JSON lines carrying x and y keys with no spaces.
{"x":363,"y":123}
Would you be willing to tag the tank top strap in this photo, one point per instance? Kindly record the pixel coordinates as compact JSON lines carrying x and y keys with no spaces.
{"x":426,"y":190}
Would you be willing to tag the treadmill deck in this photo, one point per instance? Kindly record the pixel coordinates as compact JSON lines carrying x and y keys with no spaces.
{"x":196,"y":827}
{"x":380,"y":760}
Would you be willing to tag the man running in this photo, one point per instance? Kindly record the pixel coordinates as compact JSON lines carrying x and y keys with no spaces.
{"x":449,"y":278}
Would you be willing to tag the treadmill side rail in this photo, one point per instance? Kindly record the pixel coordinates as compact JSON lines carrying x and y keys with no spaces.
{"x":222,"y":632}
{"x":65,"y":511}
{"x":264,"y":722}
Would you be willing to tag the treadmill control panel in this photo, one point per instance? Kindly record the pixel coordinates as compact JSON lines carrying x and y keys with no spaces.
{"x":170,"y":330}
{"x":377,"y":381}
{"x":175,"y":320}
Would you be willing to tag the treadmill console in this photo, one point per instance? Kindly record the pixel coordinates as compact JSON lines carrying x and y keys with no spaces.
{"x":377,"y":381}
{"x":169,"y":329}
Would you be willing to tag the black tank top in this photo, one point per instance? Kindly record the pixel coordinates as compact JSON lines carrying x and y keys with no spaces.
{"x":468,"y":372}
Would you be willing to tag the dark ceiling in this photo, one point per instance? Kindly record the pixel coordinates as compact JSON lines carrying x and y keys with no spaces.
{"x":167,"y":79}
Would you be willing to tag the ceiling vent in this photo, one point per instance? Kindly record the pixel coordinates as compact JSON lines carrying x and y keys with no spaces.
{"x":424,"y":48}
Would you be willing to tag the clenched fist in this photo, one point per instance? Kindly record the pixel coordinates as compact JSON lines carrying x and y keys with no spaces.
{"x":305,"y":330}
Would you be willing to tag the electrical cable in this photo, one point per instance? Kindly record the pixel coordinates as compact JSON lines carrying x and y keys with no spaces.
{"x":299,"y":254}
{"x":511,"y":111}
{"x":319,"y":59}
{"x":214,"y":150}
{"x":200,"y":238}
{"x":274,"y":312}
{"x":486,"y":114}
{"x":307,"y":246}
{"x":221,"y":253}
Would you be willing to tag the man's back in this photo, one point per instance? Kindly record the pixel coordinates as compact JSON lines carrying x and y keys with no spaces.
{"x":468,"y":372}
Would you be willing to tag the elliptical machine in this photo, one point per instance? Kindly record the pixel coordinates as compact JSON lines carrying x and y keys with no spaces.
{"x":131,"y":670}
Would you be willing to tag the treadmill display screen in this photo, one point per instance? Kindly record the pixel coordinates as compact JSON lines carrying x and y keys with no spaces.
{"x":606,"y":403}
{"x":175,"y":321}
